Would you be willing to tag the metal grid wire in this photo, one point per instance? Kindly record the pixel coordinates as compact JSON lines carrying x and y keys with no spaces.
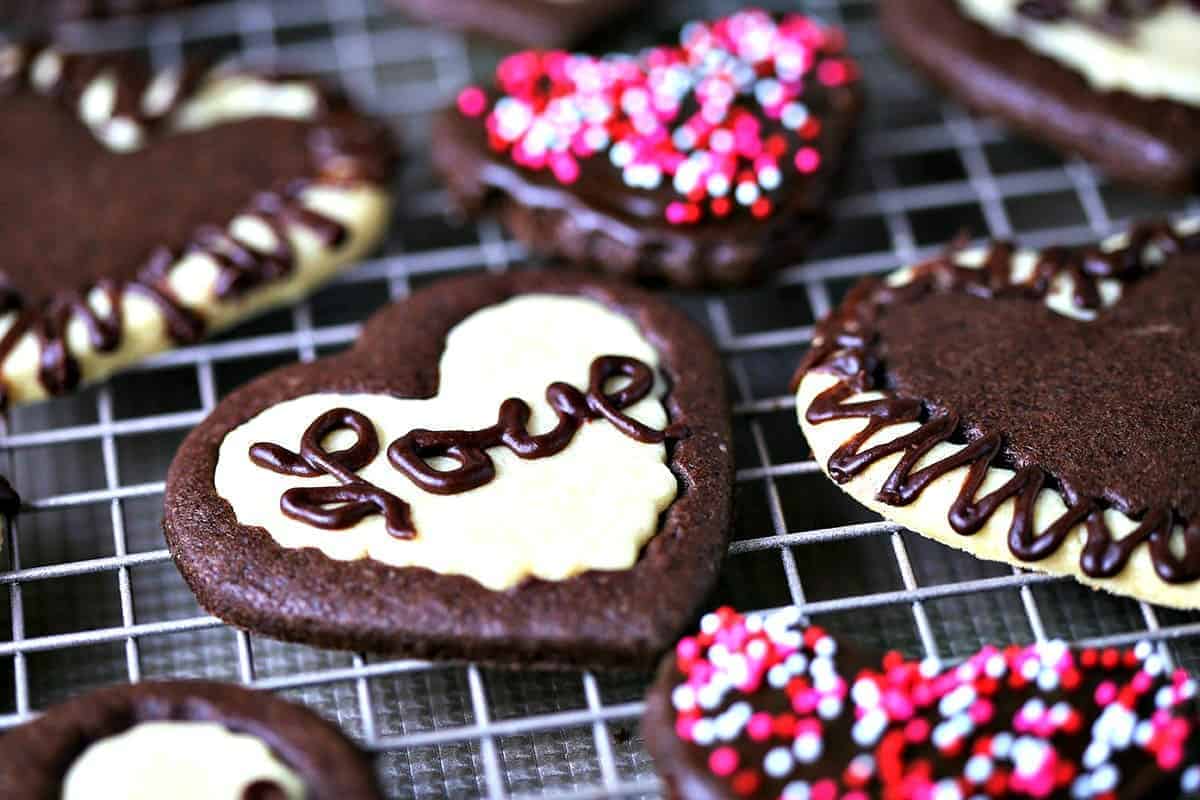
{"x":94,"y":599}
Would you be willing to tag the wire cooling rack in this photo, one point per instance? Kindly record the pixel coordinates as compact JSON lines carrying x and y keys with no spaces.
{"x":94,"y":598}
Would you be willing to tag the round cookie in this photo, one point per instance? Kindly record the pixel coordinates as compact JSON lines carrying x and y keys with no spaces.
{"x":266,"y":748}
{"x":475,"y":479}
{"x":758,"y":706}
{"x":1118,"y":83}
{"x":1035,"y":408}
{"x":167,"y":205}
{"x":702,"y":163}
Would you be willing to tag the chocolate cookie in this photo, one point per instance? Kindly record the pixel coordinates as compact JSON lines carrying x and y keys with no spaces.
{"x":1116,"y":82}
{"x":37,"y":14}
{"x":182,"y":739}
{"x":527,"y":23}
{"x":520,"y":469}
{"x":165,"y":206}
{"x":701,"y":163}
{"x":761,"y":707}
{"x":1036,"y":408}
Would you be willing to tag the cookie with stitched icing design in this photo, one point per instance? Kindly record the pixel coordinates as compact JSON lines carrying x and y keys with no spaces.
{"x":758,"y":706}
{"x":1032,"y":407}
{"x":701,"y":163}
{"x":527,"y":23}
{"x":187,"y":740}
{"x":520,"y":469}
{"x":166,"y":205}
{"x":1116,"y":82}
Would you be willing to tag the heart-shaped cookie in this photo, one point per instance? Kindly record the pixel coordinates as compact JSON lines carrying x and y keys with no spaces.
{"x":517,"y":469}
{"x":1117,"y":82}
{"x":691,"y":162}
{"x":1037,"y":408}
{"x":760,"y":707}
{"x":166,"y":205}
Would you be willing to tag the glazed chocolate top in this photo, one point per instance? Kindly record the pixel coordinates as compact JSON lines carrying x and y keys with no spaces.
{"x":87,"y":213}
{"x":1104,"y":405}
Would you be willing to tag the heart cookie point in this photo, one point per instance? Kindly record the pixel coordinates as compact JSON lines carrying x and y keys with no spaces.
{"x":536,"y":434}
{"x":1026,"y":407}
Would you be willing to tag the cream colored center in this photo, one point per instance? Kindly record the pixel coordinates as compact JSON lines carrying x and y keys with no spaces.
{"x":1160,"y":59}
{"x":179,"y":760}
{"x":591,"y":506}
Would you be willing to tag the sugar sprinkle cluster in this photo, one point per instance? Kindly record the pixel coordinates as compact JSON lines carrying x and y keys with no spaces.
{"x":1037,"y":721}
{"x":722,"y":118}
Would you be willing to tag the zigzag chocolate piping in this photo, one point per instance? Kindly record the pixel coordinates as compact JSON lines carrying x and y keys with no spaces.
{"x":845,"y":346}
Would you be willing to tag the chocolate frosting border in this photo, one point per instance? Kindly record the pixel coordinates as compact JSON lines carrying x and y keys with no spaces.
{"x":615,"y":619}
{"x":35,"y":757}
{"x":345,"y":148}
{"x":846,"y":344}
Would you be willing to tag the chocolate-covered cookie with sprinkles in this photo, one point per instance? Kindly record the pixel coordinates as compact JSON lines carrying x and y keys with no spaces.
{"x":165,"y":205}
{"x":701,"y":163}
{"x":184,"y":740}
{"x":759,"y":706}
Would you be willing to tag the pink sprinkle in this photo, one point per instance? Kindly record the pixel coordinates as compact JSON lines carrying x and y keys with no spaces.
{"x":759,"y":726}
{"x":1170,"y":756}
{"x":981,"y":711}
{"x":677,"y":213}
{"x":472,"y":101}
{"x":808,"y":160}
{"x":683,"y":727}
{"x":687,"y":649}
{"x":565,"y":168}
{"x":1106,"y":692}
{"x":723,"y":761}
{"x":824,"y":789}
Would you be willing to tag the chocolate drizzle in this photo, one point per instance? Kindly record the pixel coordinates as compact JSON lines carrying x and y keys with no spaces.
{"x":341,"y":507}
{"x":343,"y":149}
{"x":848,"y":344}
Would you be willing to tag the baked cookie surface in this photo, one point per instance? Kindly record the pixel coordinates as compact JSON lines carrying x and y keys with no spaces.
{"x":702,"y":163}
{"x":471,"y":481}
{"x":182,"y":739}
{"x":759,"y":706}
{"x":1031,"y":407}
{"x":1117,"y":83}
{"x":527,"y":23}
{"x":166,"y":205}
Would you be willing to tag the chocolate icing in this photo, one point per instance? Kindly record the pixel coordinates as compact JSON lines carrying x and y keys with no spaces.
{"x":979,"y":360}
{"x":341,"y":507}
{"x":264,"y":790}
{"x":92,"y":219}
{"x":1113,"y":17}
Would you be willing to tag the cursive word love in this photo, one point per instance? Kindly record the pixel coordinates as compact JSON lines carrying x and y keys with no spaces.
{"x":354,"y":498}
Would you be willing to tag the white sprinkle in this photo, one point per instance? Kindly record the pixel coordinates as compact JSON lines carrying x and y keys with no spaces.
{"x":1002,"y":744}
{"x":796,"y":663}
{"x":768,"y":91}
{"x":709,"y":697}
{"x":865,"y":693}
{"x":1047,"y":679}
{"x":778,"y":676}
{"x":796,"y":790}
{"x":946,"y":790}
{"x":620,"y":154}
{"x":1154,"y":666}
{"x":1190,"y":780}
{"x":683,"y":697}
{"x":825,"y":647}
{"x":1105,"y":779}
{"x":704,"y":732}
{"x":1164,"y":697}
{"x":958,"y":700}
{"x":1081,"y":788}
{"x":1028,"y":755}
{"x":869,"y":727}
{"x":513,"y":118}
{"x":1096,"y":754}
{"x":807,"y":748}
{"x":1143,"y":733}
{"x":1143,"y":650}
{"x":778,"y":762}
{"x":1059,"y":713}
{"x":862,"y":764}
{"x":978,"y":768}
{"x":930,"y":666}
{"x":718,"y":184}
{"x":794,"y":115}
{"x":829,"y":707}
{"x":746,"y":193}
{"x":769,"y":178}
